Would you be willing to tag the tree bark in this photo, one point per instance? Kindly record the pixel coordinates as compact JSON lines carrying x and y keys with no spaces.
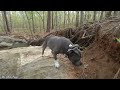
{"x":108,"y":14}
{"x":115,"y":13}
{"x":81,"y":18}
{"x":59,"y":22}
{"x":33,"y":26}
{"x":43,"y":21}
{"x":49,"y":21}
{"x":68,"y":19}
{"x":101,"y":15}
{"x":29,"y":24}
{"x":94,"y":16}
{"x":10,"y":20}
{"x":52,"y":20}
{"x":77,"y":18}
{"x":85,"y":18}
{"x":5,"y":21}
{"x":73,"y":20}
{"x":56,"y":20}
{"x":64,"y":18}
{"x":88,"y":16}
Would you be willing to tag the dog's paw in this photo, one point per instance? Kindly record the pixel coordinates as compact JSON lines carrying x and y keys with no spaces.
{"x":57,"y":65}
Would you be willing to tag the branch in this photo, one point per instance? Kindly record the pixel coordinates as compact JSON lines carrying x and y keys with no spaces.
{"x":40,"y":15}
{"x":116,"y":75}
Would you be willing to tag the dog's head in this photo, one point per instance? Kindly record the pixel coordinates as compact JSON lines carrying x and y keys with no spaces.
{"x":74,"y":54}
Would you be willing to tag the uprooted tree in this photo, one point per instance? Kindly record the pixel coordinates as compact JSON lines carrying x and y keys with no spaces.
{"x":104,"y":32}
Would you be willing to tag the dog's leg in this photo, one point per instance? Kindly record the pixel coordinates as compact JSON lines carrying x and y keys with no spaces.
{"x":57,"y":65}
{"x":56,"y":61}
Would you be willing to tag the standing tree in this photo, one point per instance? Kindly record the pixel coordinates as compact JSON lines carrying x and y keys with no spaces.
{"x":5,"y":21}
{"x":108,"y":14}
{"x":56,"y":20}
{"x":68,"y":18}
{"x":33,"y":26}
{"x":43,"y":21}
{"x":48,"y":21}
{"x":101,"y":15}
{"x":94,"y":16}
{"x":73,"y":19}
{"x":88,"y":16}
{"x":10,"y":19}
{"x":29,"y":24}
{"x":42,"y":18}
{"x":52,"y":20}
{"x":64,"y":18}
{"x":77,"y":18}
{"x":81,"y":18}
{"x":59,"y":20}
{"x":115,"y":13}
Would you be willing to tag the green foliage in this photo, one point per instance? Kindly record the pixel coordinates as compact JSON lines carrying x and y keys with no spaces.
{"x":118,"y":40}
{"x":20,"y":21}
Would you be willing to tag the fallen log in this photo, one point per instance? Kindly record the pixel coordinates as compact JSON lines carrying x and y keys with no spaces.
{"x":10,"y":42}
{"x":4,"y":44}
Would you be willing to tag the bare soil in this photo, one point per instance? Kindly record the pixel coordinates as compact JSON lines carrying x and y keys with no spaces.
{"x":33,"y":66}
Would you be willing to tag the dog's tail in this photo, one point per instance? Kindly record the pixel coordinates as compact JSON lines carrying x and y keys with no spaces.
{"x":44,"y":45}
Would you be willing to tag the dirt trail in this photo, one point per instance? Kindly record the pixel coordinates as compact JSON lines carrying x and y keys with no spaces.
{"x":27,"y":63}
{"x":33,"y":66}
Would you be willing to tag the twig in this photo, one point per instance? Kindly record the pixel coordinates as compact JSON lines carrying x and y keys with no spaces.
{"x":116,"y":75}
{"x":83,"y":34}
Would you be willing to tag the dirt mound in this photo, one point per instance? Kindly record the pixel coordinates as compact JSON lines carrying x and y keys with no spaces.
{"x":106,"y":38}
{"x":103,"y":55}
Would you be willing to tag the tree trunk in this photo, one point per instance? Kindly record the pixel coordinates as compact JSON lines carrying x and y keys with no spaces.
{"x":81,"y":18}
{"x":64,"y":18}
{"x":24,"y":25}
{"x":5,"y":21}
{"x":85,"y":16}
{"x":49,"y":21}
{"x":94,"y":16}
{"x":43,"y":21}
{"x":68,"y":19}
{"x":59,"y":22}
{"x":10,"y":20}
{"x":101,"y":15}
{"x":33,"y":26}
{"x":115,"y":13}
{"x":73,"y":20}
{"x":52,"y":20}
{"x":29,"y":24}
{"x":56,"y":20}
{"x":108,"y":14}
{"x":77,"y":18}
{"x":42,"y":18}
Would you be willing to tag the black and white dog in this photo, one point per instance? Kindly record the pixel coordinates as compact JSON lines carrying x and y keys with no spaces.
{"x":62,"y":45}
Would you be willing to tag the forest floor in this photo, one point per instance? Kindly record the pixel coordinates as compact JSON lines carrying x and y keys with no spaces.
{"x":33,"y":66}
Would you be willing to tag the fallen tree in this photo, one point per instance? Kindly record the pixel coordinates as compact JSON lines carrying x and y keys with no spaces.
{"x":84,"y":34}
{"x":10,"y":42}
{"x":106,"y":37}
